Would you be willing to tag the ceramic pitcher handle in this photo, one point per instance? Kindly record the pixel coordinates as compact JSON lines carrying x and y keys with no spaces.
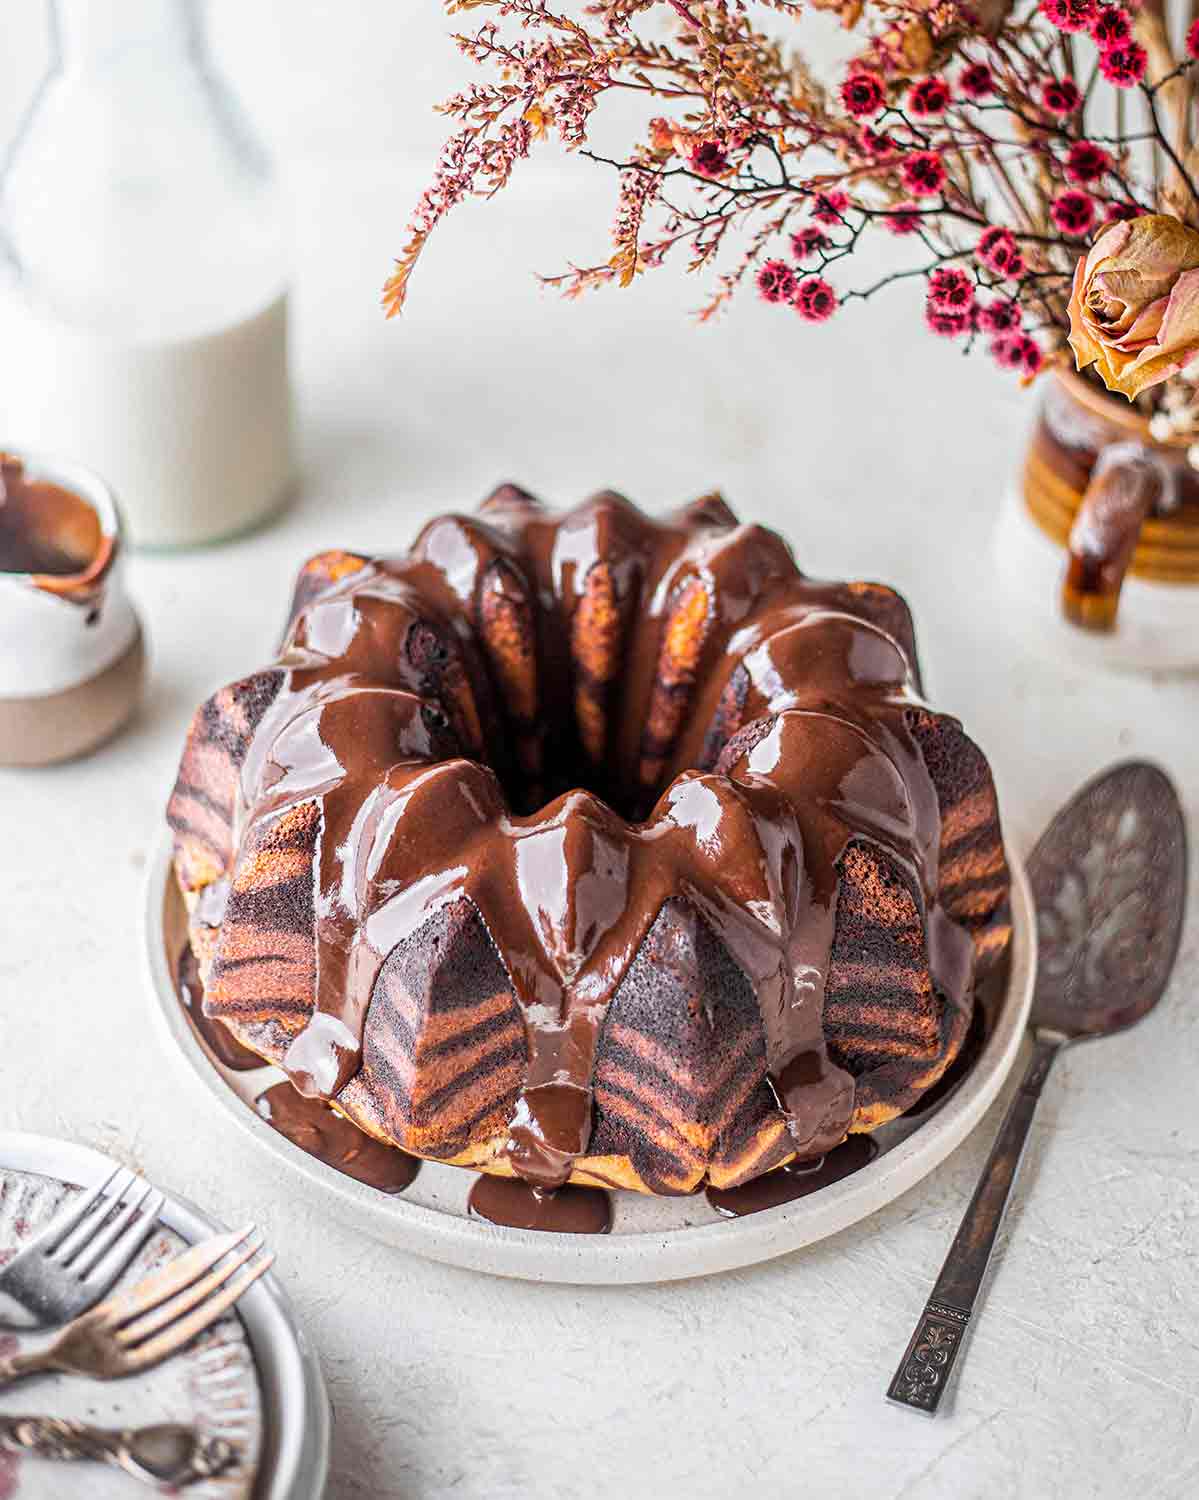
{"x":1126,"y":484}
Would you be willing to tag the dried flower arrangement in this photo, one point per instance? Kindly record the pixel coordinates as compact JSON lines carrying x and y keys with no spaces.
{"x":1043,"y":156}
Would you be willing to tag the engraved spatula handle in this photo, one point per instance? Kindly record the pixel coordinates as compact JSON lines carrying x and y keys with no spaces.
{"x":925,"y":1368}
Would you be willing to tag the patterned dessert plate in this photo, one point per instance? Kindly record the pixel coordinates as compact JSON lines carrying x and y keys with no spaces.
{"x":652,"y":1239}
{"x":249,"y":1379}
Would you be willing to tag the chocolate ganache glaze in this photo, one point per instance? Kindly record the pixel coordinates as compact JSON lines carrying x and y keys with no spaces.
{"x":53,"y":535}
{"x":220,"y":1041}
{"x":798,"y":1179}
{"x":737,"y":726}
{"x":323,"y":1133}
{"x":514,"y":1204}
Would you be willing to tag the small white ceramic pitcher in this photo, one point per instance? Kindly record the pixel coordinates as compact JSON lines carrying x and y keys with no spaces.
{"x":71,"y":651}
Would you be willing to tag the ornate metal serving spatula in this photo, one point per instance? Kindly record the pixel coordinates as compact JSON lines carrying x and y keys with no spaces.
{"x":1109,"y":884}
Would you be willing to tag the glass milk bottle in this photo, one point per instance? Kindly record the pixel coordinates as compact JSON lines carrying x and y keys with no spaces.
{"x":143,"y":277}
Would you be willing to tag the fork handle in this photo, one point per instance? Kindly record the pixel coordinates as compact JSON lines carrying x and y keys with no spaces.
{"x":16,"y":1366}
{"x":932,"y":1351}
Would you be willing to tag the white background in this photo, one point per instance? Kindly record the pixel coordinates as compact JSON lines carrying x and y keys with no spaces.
{"x":880,"y":452}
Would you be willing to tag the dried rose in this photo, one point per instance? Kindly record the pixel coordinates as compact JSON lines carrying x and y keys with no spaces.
{"x":1134,"y":307}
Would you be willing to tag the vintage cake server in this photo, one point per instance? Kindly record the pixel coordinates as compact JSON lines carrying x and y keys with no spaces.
{"x":1109,"y":881}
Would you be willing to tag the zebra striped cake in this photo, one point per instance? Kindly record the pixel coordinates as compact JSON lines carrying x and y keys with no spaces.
{"x":592,"y":848}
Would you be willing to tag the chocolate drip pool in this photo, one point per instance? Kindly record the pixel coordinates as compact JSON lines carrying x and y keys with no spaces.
{"x":319,"y":1130}
{"x":216,"y":1036}
{"x":759,"y":728}
{"x":796,"y":1180}
{"x":519,"y":1205}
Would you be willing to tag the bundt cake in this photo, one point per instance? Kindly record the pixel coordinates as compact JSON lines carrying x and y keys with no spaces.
{"x":590,"y":847}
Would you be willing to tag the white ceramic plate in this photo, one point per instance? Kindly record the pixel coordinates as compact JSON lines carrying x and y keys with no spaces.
{"x":283,"y":1415}
{"x":652,"y":1239}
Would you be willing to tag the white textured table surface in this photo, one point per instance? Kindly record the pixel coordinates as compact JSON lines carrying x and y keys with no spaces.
{"x":883,"y":459}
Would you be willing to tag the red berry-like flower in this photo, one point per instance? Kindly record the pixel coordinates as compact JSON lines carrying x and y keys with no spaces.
{"x":950,"y":289}
{"x":708,"y":159}
{"x":923,"y":174}
{"x":1000,"y":316}
{"x":1069,"y":15}
{"x":928,"y":97}
{"x":1192,"y":41}
{"x":1016,"y":351}
{"x":1060,"y":96}
{"x":807,"y":242}
{"x":862,"y":94}
{"x":875,"y":142}
{"x":998,"y":251}
{"x":1124,"y":65}
{"x":828,"y":208}
{"x":815,"y":301}
{"x":1111,"y":26}
{"x":976,"y":82}
{"x":776,"y":281}
{"x":904,"y":218}
{"x":1115,"y":212}
{"x":949,"y":325}
{"x":1086,"y":163}
{"x":1073,"y":212}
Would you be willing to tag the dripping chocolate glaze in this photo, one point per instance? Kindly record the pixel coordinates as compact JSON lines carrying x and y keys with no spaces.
{"x":220,"y":1041}
{"x":52,"y":535}
{"x":520,"y":1205}
{"x":319,"y":1130}
{"x":797,"y":1179}
{"x":755,"y":729}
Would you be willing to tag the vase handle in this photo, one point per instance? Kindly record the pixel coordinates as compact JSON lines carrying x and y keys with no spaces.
{"x":1127,"y":484}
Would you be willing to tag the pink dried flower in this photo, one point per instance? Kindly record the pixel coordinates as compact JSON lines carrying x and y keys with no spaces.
{"x":904,"y":218}
{"x":1017,"y":351}
{"x":1111,"y":26}
{"x":950,"y":289}
{"x":1060,"y":96}
{"x":929,"y":97}
{"x":828,"y":208}
{"x":874,"y":142}
{"x":1192,"y":39}
{"x":1086,"y":163}
{"x":923,"y":174}
{"x":1124,"y":65}
{"x":708,"y":159}
{"x":1001,"y":315}
{"x":863,"y":94}
{"x":977,"y":81}
{"x":1069,"y":15}
{"x":815,"y":301}
{"x":808,"y":242}
{"x":948,"y":325}
{"x":998,"y":251}
{"x":1115,"y":213}
{"x":776,"y":281}
{"x":1073,"y":212}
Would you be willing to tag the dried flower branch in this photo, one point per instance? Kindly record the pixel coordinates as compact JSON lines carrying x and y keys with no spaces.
{"x":982,"y":133}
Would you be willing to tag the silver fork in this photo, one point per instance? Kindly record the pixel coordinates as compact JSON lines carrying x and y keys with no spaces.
{"x":84,"y":1249}
{"x":164,"y":1311}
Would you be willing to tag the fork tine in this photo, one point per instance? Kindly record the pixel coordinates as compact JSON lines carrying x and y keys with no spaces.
{"x":202,"y":1317}
{"x":172,"y":1278}
{"x":191,"y":1296}
{"x":62,"y":1224}
{"x":71,"y":1244}
{"x":122,"y":1239}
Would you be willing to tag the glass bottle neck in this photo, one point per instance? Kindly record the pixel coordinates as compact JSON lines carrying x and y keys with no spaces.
{"x":85,"y":31}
